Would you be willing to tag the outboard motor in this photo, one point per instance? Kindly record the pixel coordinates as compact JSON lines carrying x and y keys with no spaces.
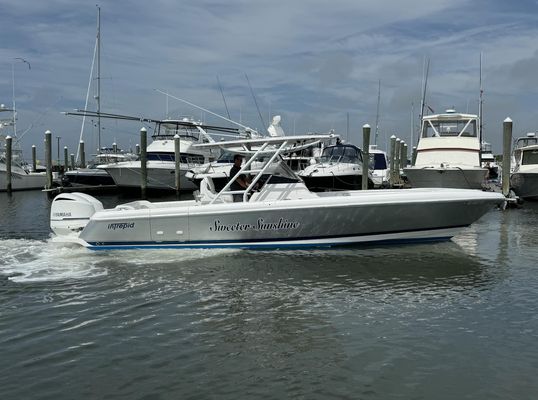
{"x":70,"y":212}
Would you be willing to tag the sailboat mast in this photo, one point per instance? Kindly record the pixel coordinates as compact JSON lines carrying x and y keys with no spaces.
{"x":480,"y":111}
{"x":98,"y":97}
{"x":13,"y":99}
{"x":425,"y":85}
{"x":377,"y":113}
{"x":412,"y":125}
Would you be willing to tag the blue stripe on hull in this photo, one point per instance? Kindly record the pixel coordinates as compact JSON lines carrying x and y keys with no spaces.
{"x":259,"y":245}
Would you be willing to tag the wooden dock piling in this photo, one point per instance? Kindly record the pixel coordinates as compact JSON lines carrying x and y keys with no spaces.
{"x":9,"y":155}
{"x":177,"y":159}
{"x":143,"y":162}
{"x":365,"y":155}
{"x":392,"y":159}
{"x":34,"y":158}
{"x":397,"y":153}
{"x":507,"y":150}
{"x":66,"y":160}
{"x":48,"y":158}
{"x":82,"y":155}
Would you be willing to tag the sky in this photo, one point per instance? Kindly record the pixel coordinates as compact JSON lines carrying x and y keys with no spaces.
{"x":316,"y":63}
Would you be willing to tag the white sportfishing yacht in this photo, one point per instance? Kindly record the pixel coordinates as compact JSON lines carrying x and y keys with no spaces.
{"x":280,"y":213}
{"x":22,"y":176}
{"x":338,"y":168}
{"x":448,"y":153}
{"x":161,"y":156}
{"x":524,"y":178}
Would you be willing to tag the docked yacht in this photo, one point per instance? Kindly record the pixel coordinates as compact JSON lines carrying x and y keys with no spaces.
{"x":278,"y":213}
{"x":94,"y":174}
{"x":379,"y":167}
{"x":338,"y":168}
{"x":487,"y":160}
{"x":22,"y":176}
{"x":524,"y":178}
{"x":161,"y":156}
{"x":448,"y":153}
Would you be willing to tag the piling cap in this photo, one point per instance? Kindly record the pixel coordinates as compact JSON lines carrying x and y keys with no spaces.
{"x":393,"y":137}
{"x":143,"y":129}
{"x":33,"y":145}
{"x":176,"y":136}
{"x":507,"y":120}
{"x":366,"y":126}
{"x":65,"y":147}
{"x":47,"y":132}
{"x":82,"y":141}
{"x":8,"y":137}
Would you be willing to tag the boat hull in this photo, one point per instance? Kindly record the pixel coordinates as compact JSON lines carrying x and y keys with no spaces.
{"x":23,"y":181}
{"x":87,"y":177}
{"x":459,"y":178}
{"x":161,"y":175}
{"x":325,"y":221}
{"x":525,"y":185}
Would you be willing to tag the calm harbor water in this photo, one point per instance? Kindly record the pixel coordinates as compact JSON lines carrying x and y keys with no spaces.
{"x":453,"y":320}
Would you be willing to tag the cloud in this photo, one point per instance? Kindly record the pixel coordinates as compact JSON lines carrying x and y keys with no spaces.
{"x":313,"y":62}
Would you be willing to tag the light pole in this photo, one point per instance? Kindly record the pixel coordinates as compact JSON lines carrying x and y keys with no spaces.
{"x":58,"y":141}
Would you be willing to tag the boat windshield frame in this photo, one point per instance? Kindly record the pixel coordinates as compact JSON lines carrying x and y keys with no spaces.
{"x":450,"y":127}
{"x":529,"y":156}
{"x":526,"y":141}
{"x":341,"y":153}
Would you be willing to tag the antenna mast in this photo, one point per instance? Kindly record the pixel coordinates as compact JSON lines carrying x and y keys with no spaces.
{"x":98,"y":97}
{"x":223,"y":98}
{"x":425,"y":85}
{"x":480,"y":102}
{"x":13,"y":99}
{"x":377,"y":112}
{"x":255,"y":102}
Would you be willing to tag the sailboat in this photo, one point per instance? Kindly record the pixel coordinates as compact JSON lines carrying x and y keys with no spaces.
{"x":92,"y":175}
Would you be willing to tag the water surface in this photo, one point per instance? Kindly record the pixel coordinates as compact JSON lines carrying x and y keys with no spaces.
{"x":449,"y":320}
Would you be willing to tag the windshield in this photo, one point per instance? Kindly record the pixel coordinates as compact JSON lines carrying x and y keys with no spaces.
{"x":170,"y":129}
{"x":347,"y":154}
{"x":465,"y":128}
{"x":530,"y":157}
{"x":226,"y":158}
{"x":526,"y":141}
{"x":377,"y":161}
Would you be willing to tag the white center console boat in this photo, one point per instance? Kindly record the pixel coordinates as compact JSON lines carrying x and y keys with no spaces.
{"x":278,"y":213}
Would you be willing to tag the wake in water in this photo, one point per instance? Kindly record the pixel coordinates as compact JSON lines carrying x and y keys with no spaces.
{"x":27,"y":260}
